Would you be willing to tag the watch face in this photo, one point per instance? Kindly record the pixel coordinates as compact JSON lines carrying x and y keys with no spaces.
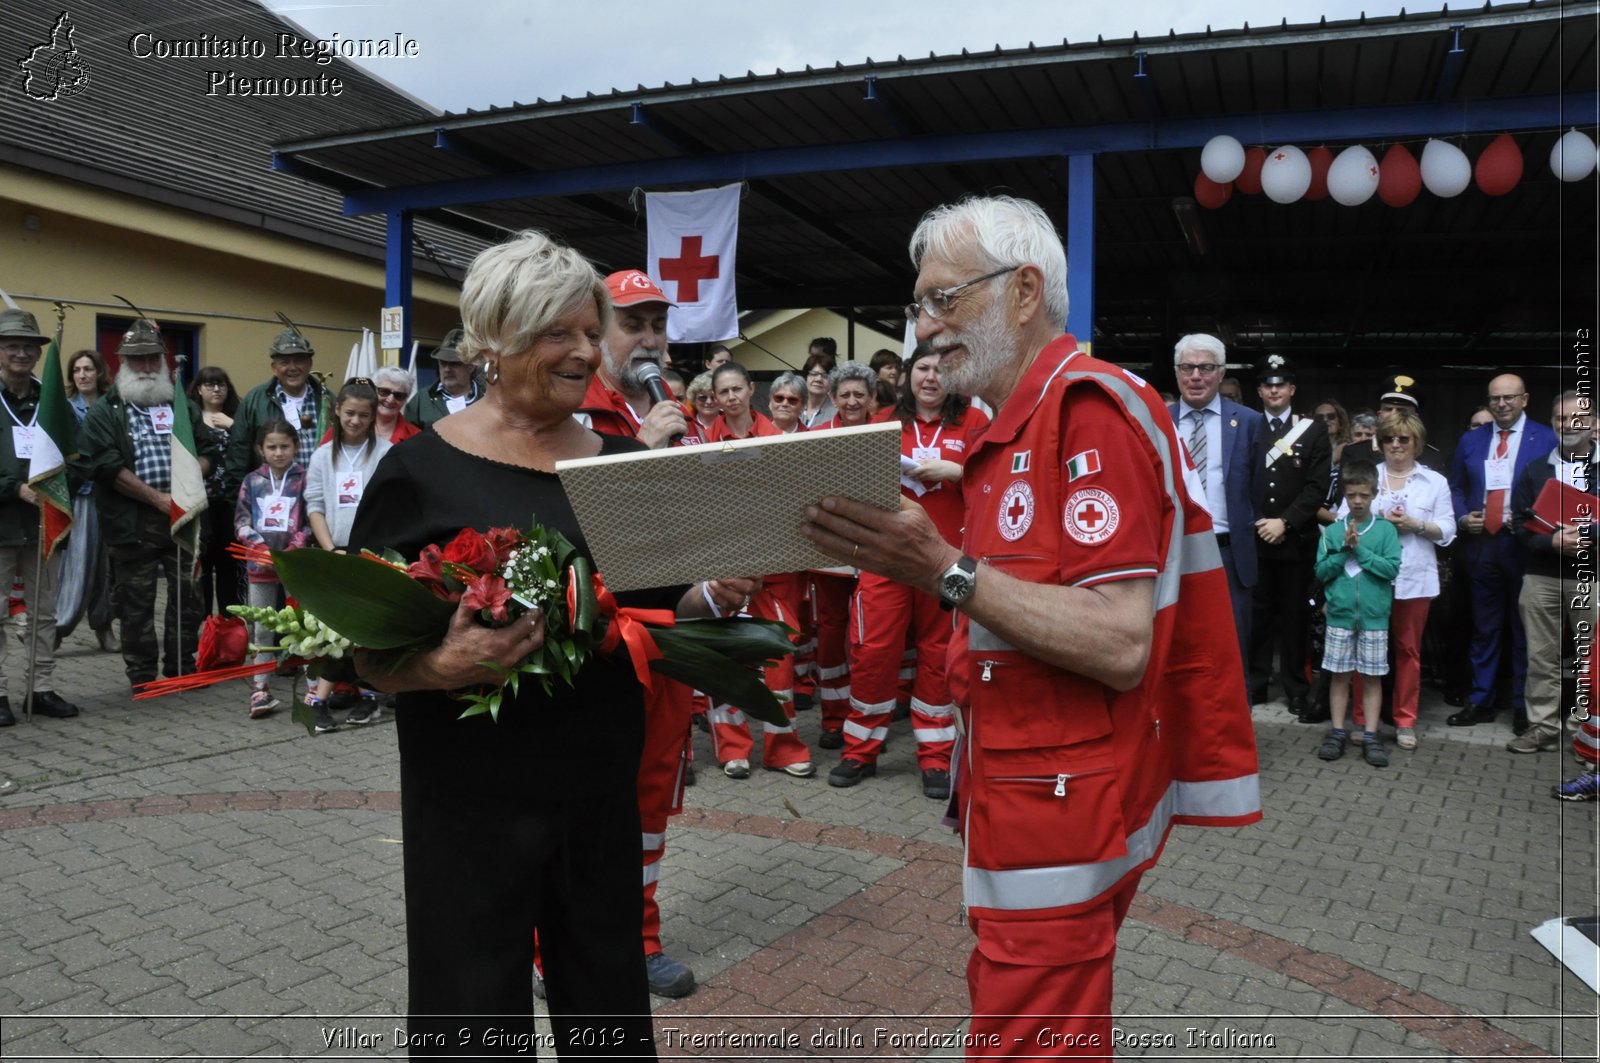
{"x":957,"y":585}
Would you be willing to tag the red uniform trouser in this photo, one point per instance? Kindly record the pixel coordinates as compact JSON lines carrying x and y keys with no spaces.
{"x":661,"y":772}
{"x":792,"y":589}
{"x":1042,"y":987}
{"x":882,"y":613}
{"x":830,"y":604}
{"x":1407,"y":618}
{"x":730,"y":729}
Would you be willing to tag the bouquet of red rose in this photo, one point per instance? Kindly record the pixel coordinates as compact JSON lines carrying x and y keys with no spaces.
{"x":338,"y":602}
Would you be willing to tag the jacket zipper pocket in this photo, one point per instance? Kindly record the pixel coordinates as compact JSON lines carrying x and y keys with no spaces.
{"x":1059,"y":780}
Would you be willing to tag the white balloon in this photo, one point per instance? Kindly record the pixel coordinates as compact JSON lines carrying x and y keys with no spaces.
{"x":1573,"y":157}
{"x":1222,"y":159}
{"x":1446,"y":170}
{"x":1353,"y":177}
{"x":1286,"y":174}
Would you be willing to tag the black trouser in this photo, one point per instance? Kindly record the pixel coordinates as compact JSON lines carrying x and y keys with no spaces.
{"x":134,"y":572}
{"x":481,"y":878}
{"x":1280,"y":617}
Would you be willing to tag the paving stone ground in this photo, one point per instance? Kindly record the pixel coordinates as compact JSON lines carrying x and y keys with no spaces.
{"x":179,"y":881}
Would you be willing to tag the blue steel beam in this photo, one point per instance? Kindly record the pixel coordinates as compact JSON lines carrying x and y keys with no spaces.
{"x":1080,"y":247}
{"x":1441,"y":118}
{"x":397,"y":271}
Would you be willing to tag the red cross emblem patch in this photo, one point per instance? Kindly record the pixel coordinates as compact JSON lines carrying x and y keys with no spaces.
{"x":1016,"y":511}
{"x":1091,"y":516}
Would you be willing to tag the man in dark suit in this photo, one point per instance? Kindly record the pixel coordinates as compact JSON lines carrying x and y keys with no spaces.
{"x":1296,"y":464}
{"x":1484,"y":469}
{"x":1224,"y":441}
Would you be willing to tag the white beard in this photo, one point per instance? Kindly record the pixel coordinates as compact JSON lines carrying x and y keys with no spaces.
{"x":990,"y":347}
{"x":145,"y":389}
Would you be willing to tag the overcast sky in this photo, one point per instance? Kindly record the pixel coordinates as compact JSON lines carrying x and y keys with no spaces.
{"x":477,"y":53}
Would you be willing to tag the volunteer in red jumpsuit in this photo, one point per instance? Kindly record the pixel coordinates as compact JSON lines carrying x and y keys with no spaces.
{"x":850,"y":386}
{"x":1093,"y":718}
{"x":618,"y":404}
{"x":935,"y":431}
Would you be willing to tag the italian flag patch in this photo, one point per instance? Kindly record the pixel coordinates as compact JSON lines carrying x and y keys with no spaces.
{"x":1083,"y":464}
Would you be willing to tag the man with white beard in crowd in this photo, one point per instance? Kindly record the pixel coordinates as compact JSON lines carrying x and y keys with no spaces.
{"x":127,"y":451}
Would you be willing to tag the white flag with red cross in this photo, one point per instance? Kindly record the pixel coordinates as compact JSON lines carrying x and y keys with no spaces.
{"x":693,"y":236}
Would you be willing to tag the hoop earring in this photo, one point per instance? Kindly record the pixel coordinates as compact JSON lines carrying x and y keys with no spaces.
{"x":492,"y":374}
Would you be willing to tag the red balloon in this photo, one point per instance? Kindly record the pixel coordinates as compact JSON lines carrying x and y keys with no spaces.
{"x":1399,"y":177}
{"x":1249,"y":180}
{"x":1320,"y":158}
{"x":1499,"y":167}
{"x":1210,"y":194}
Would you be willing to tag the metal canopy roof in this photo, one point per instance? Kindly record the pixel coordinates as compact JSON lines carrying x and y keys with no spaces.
{"x":841,"y":162}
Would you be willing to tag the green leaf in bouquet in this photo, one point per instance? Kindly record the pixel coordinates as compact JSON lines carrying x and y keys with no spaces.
{"x":304,"y":715}
{"x":588,"y":605}
{"x":744,"y":639}
{"x":737,"y":686}
{"x":368,"y":602}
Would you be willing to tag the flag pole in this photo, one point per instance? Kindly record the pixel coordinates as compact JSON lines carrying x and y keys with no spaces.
{"x":177,"y":546}
{"x":37,"y":590}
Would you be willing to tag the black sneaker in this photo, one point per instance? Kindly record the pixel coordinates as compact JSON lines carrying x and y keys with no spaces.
{"x":365,"y":711}
{"x":850,"y":771}
{"x":830,"y":740}
{"x":668,"y":977}
{"x":49,"y":703}
{"x":325,"y":720}
{"x":7,"y":718}
{"x":936,"y":784}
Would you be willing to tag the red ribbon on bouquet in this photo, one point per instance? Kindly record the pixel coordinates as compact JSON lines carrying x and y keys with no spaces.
{"x":628,"y":627}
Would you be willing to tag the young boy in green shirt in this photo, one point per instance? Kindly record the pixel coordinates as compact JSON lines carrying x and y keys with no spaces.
{"x":1357,"y":561}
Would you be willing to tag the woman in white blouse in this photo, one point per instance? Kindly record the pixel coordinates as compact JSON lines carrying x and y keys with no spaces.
{"x":1416,"y":500}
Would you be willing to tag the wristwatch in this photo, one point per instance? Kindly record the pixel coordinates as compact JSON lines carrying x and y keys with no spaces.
{"x":958,"y":582}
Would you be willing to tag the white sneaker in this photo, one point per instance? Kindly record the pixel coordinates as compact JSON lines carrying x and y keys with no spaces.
{"x":737,"y":769}
{"x":803,"y":770}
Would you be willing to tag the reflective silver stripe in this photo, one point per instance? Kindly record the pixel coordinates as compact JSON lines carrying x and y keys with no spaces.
{"x":855,"y":730}
{"x":935,"y":712}
{"x":1587,"y":739}
{"x":838,"y":671}
{"x":1201,"y":553}
{"x":1172,"y":573}
{"x":726,"y":714}
{"x":982,"y":639}
{"x":872,"y":708}
{"x":652,"y":842}
{"x":652,"y":873}
{"x":909,"y":672}
{"x":836,"y":693}
{"x":1219,"y":798}
{"x":774,"y":729}
{"x":934,"y":734}
{"x":1050,"y":887}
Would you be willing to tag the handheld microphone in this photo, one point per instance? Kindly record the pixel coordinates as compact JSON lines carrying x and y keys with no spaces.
{"x":649,"y":375}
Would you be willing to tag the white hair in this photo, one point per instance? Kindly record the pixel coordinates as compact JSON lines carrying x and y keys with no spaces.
{"x":515,"y":290}
{"x":1200,"y":341}
{"x":1003,"y":231}
{"x":851,"y":371}
{"x":392,"y":377}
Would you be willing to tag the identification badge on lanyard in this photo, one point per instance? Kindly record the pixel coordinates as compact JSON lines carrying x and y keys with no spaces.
{"x":161,"y":420}
{"x":350,"y":489}
{"x":273,"y":513}
{"x":1497,"y":474}
{"x":22,"y":440}
{"x":921,"y":454}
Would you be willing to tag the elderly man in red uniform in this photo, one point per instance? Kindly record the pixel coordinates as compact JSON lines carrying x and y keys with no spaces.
{"x":619,"y":404}
{"x":1093,"y":720}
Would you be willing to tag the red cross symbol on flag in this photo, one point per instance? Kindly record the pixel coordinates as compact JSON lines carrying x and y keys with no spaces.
{"x":690,"y":268}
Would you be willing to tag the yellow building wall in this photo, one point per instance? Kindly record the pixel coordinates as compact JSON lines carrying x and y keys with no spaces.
{"x":789,"y":334}
{"x":64,"y":241}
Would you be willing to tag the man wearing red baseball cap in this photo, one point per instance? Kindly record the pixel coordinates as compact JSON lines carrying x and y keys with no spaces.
{"x":617,"y":402}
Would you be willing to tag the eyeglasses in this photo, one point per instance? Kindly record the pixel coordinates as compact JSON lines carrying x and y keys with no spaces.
{"x":215,"y":384}
{"x":1329,"y":417}
{"x":784,"y":400}
{"x":390,"y":393}
{"x":817,"y":374}
{"x":1504,"y":400}
{"x":937,"y":303}
{"x":1386,"y":440}
{"x":1200,"y":368}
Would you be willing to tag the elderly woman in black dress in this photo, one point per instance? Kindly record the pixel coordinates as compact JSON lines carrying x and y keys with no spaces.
{"x":532,"y":823}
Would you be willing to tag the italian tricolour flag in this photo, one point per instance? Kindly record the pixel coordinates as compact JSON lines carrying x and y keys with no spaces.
{"x":54,"y":441}
{"x":188,"y":482}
